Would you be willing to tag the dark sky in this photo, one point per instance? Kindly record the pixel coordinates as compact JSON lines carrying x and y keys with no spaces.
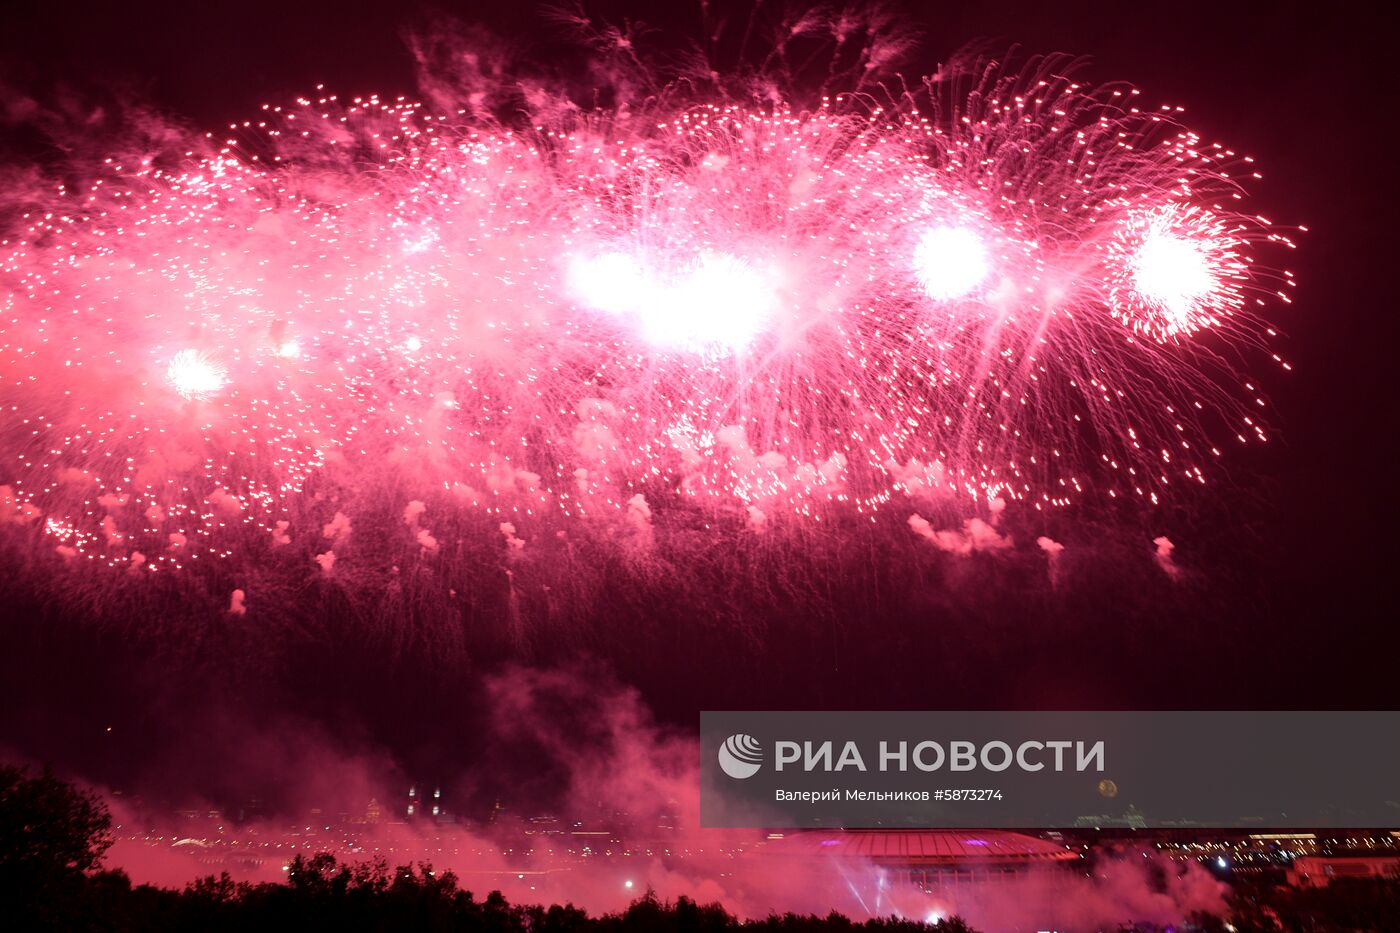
{"x":1297,"y":609}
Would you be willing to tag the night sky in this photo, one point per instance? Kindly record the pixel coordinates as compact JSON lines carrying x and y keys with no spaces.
{"x":1290,"y":602}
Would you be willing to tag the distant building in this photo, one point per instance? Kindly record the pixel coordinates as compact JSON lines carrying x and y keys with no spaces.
{"x":1130,"y":818}
{"x":1318,"y":871}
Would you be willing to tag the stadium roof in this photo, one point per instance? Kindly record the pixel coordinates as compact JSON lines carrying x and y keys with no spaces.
{"x":921,"y":847}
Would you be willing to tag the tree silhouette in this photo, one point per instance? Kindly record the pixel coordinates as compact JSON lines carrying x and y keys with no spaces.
{"x":52,"y":836}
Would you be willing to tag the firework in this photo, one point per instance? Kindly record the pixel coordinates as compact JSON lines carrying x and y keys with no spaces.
{"x":1175,"y":270}
{"x":1001,"y":289}
{"x":195,"y":375}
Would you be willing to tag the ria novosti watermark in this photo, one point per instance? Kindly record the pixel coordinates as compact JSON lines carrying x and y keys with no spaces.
{"x":741,"y":756}
{"x":1050,"y":769}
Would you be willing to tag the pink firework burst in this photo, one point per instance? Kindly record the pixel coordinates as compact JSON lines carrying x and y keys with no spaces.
{"x":751,"y":311}
{"x":1175,"y":269}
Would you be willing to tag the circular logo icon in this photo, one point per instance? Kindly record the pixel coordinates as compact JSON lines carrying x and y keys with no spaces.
{"x":740,"y":756}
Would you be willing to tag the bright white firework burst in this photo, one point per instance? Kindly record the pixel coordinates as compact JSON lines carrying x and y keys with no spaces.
{"x":194,"y":374}
{"x":716,"y":303}
{"x":1176,"y":269}
{"x":761,"y":314}
{"x":950,"y":262}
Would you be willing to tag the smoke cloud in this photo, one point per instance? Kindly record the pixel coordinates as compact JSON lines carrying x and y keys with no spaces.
{"x":596,"y":755}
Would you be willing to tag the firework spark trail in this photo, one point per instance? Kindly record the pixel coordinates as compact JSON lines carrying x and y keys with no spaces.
{"x":1004,"y":287}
